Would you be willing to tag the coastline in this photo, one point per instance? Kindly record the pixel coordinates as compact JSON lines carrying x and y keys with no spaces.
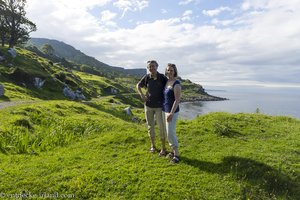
{"x":268,"y":101}
{"x":203,"y":98}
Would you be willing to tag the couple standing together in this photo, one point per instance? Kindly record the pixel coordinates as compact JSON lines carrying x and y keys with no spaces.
{"x":162,"y":97}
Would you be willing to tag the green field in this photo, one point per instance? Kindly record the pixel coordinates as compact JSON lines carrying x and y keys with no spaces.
{"x":92,"y":150}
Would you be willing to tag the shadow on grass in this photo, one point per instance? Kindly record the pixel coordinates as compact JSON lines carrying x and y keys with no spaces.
{"x":4,"y":98}
{"x":255,"y":173}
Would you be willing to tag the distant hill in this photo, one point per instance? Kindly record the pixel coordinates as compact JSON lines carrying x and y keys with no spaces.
{"x":21,"y":76}
{"x":68,"y":52}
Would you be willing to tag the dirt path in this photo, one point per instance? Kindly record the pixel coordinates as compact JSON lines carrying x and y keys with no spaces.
{"x":13,"y":103}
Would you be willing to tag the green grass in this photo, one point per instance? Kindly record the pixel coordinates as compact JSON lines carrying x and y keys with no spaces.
{"x":17,"y":76}
{"x":92,"y":150}
{"x":44,"y":125}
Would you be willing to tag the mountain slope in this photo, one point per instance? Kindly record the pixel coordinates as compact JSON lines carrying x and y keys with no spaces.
{"x":68,"y":52}
{"x":18,"y":78}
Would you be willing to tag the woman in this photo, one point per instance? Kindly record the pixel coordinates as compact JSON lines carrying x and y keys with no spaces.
{"x":172,"y":95}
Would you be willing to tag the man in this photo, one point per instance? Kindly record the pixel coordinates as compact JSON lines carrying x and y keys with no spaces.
{"x":154,"y":83}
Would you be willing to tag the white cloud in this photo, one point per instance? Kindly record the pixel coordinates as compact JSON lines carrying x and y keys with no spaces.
{"x":107,"y":15}
{"x":215,"y":12}
{"x":187,"y":15}
{"x":222,"y":22}
{"x":163,"y":11}
{"x":72,"y":4}
{"x":185,"y":2}
{"x":131,"y":5}
{"x":259,"y":45}
{"x":256,"y":4}
{"x":269,"y":4}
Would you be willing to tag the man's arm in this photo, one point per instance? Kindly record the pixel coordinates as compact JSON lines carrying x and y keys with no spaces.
{"x":139,"y":89}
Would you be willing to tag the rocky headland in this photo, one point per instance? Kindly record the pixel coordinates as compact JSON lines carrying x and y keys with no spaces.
{"x":203,"y":98}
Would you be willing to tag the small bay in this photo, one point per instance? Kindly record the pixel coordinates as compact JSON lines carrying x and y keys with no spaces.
{"x":266,"y":100}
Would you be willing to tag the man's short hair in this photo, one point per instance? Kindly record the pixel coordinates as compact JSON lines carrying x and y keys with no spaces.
{"x":152,"y":62}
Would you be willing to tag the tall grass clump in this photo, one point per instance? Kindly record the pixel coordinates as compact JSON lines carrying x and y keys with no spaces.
{"x":42,"y":127}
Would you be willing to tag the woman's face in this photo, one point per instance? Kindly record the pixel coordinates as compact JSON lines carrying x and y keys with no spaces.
{"x":170,"y":72}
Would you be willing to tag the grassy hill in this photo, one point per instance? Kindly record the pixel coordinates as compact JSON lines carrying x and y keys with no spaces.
{"x":17,"y":75}
{"x":93,"y":151}
{"x":51,"y":147}
{"x":68,"y":52}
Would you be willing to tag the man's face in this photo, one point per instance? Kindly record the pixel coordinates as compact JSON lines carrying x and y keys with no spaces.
{"x":152,"y":68}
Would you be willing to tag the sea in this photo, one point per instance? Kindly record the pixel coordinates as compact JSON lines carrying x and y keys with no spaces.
{"x":277,"y":101}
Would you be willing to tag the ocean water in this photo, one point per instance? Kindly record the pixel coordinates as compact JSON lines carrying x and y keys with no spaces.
{"x":270,"y":101}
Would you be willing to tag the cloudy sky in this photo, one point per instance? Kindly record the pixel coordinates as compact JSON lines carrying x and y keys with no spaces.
{"x":213,"y":42}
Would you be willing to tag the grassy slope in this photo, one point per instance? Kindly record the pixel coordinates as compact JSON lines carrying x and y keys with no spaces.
{"x":104,"y":155}
{"x":29,"y":65}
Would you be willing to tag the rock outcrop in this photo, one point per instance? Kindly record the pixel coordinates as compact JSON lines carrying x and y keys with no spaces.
{"x":1,"y":90}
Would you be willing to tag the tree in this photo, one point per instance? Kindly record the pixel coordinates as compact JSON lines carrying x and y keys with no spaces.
{"x":15,"y":22}
{"x":3,"y":28}
{"x":1,"y":4}
{"x":48,"y":49}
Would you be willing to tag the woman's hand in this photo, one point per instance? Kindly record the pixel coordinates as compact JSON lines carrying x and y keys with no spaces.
{"x":169,"y":117}
{"x":145,"y":98}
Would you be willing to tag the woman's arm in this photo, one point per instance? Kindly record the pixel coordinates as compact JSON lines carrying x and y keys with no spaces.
{"x":177,"y":94}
